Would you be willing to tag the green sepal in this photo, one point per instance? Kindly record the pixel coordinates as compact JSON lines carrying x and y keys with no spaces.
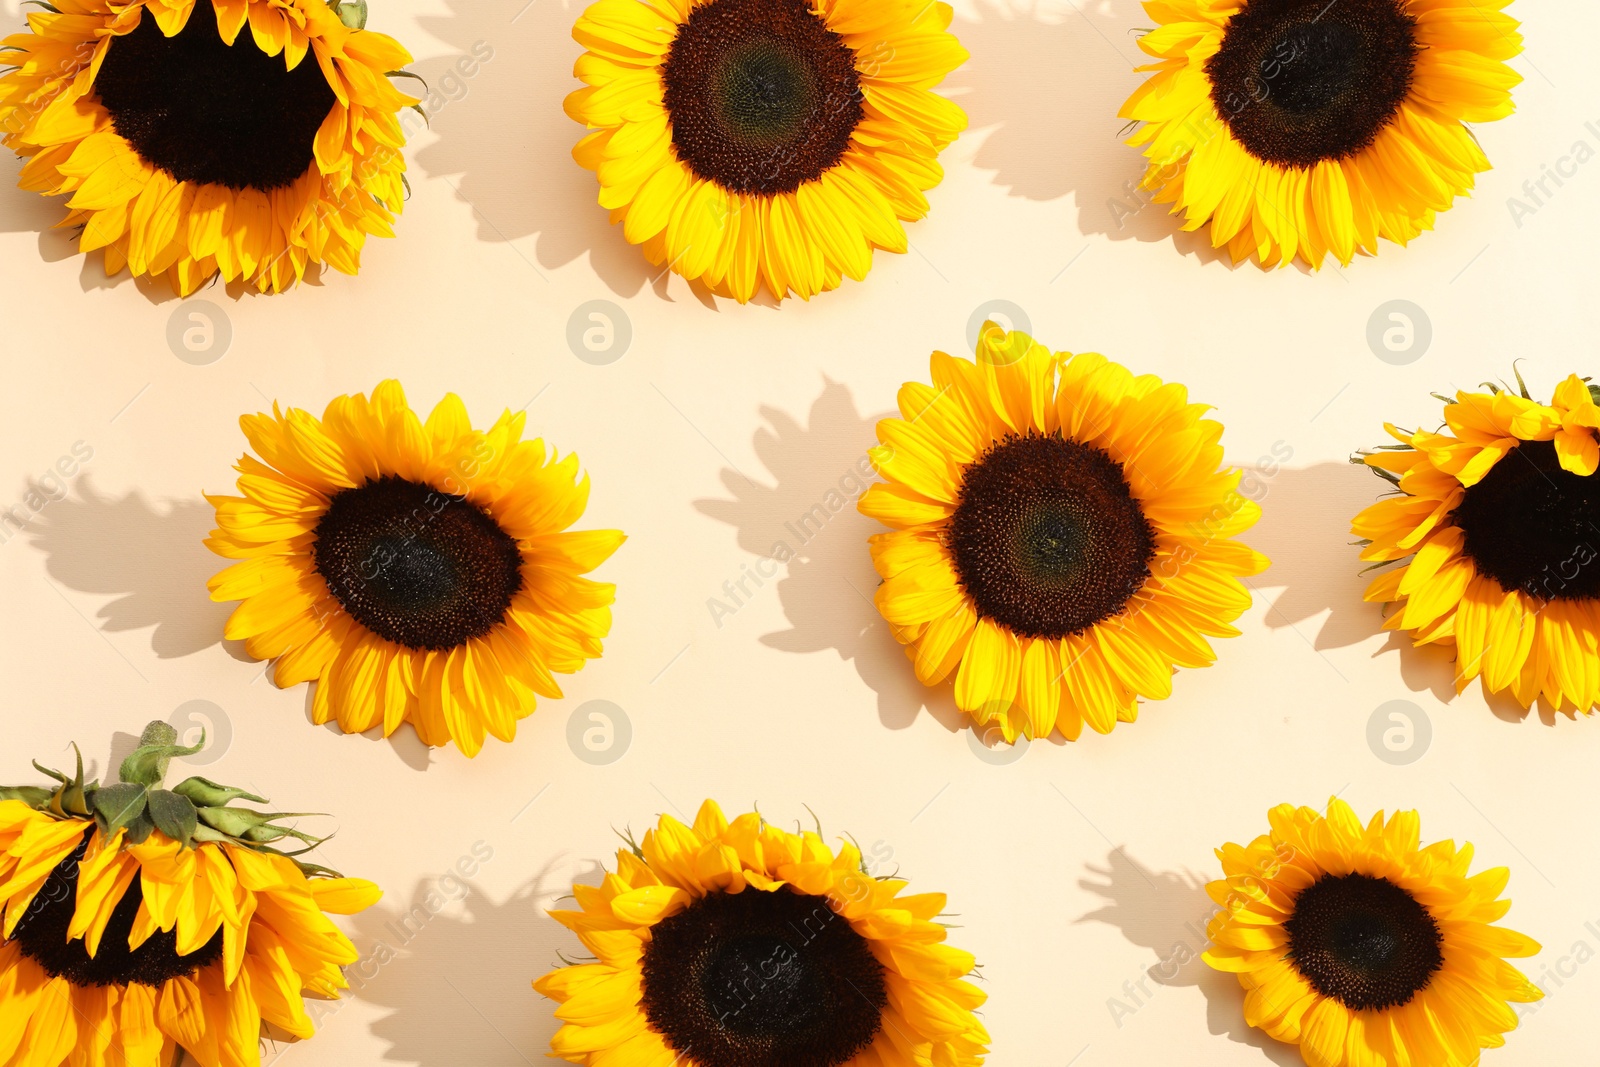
{"x":174,"y":816}
{"x":118,"y":806}
{"x":254,"y":826}
{"x":205,"y":793}
{"x":36,"y":797}
{"x":1594,"y":392}
{"x":147,"y":766}
{"x":71,"y":800}
{"x":353,"y":13}
{"x":140,"y":829}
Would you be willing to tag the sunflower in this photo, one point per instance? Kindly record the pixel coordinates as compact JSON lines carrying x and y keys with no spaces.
{"x":141,"y":920}
{"x":419,"y":572}
{"x":765,"y":142}
{"x":191,"y":149}
{"x":741,"y":945}
{"x":1364,"y":948}
{"x":1496,"y":525}
{"x":1302,"y":127}
{"x":1058,"y":546}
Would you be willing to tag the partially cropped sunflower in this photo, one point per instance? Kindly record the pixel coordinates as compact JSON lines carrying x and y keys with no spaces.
{"x":1063,"y":535}
{"x":417,"y":572}
{"x":1364,"y":948}
{"x":1303,"y":128}
{"x":1496,"y":525}
{"x":141,"y":921}
{"x":775,"y":143}
{"x":741,"y":945}
{"x":192,"y":148}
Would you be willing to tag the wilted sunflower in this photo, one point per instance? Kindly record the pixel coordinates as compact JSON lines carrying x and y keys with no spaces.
{"x":1302,"y":127}
{"x":765,"y":142}
{"x":1058,"y":546}
{"x":140,"y":920}
{"x":418,"y":572}
{"x":740,"y":945}
{"x":1362,"y":947}
{"x":1497,"y":522}
{"x":191,"y":148}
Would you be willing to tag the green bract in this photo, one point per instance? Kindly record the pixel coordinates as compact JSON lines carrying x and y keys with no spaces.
{"x":194,"y":811}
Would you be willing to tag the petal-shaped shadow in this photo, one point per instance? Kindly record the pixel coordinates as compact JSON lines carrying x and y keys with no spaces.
{"x":504,"y":144}
{"x":453,"y":953}
{"x":1305,"y":531}
{"x":1166,"y":913}
{"x":806,"y":520}
{"x":151,"y":559}
{"x":1042,"y":89}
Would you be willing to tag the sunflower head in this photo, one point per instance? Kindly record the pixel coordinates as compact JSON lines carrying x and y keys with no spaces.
{"x":765,"y":143}
{"x":153,"y":920}
{"x":191,"y":148}
{"x":419,"y":572}
{"x":1062,"y":535}
{"x":737,"y":944}
{"x":1492,"y":536}
{"x":1298,"y":128}
{"x":1361,"y":946}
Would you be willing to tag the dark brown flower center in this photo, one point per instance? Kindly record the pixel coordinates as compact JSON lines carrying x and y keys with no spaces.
{"x":1301,"y":81}
{"x":41,"y":934}
{"x":417,"y":566}
{"x":1533,"y":526}
{"x":1047,"y":538}
{"x":1363,"y":941}
{"x":213,"y":113}
{"x":762,"y":95}
{"x":758,"y":979}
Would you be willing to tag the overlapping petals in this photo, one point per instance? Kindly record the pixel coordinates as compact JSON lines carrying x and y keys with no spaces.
{"x":1172,"y":458}
{"x":1417,"y":165}
{"x":1515,"y":642}
{"x":481,"y":688}
{"x":152,"y":224}
{"x":278,"y":947}
{"x":1465,"y":1005}
{"x":802,"y":242}
{"x":929,"y":1018}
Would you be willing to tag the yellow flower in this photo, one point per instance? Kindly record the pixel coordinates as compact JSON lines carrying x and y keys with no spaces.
{"x":1362,"y":947}
{"x":1300,"y":128}
{"x":1494,"y":528}
{"x":776,"y":143}
{"x":740,"y":945}
{"x":1059,"y":545}
{"x":418,"y":572}
{"x":192,"y":149}
{"x":139,"y":921}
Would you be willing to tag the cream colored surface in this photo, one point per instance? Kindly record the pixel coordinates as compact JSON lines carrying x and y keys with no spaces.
{"x":1075,"y":870}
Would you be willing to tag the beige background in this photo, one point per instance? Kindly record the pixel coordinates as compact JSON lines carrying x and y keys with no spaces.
{"x":1076,"y":870}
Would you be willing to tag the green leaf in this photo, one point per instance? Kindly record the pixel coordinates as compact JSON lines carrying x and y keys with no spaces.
{"x":71,"y":798}
{"x":174,"y":816}
{"x":147,"y":766}
{"x":206,"y":794}
{"x":353,"y":13}
{"x":140,"y":829}
{"x":120,"y":805}
{"x":35,"y":796}
{"x":254,"y":826}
